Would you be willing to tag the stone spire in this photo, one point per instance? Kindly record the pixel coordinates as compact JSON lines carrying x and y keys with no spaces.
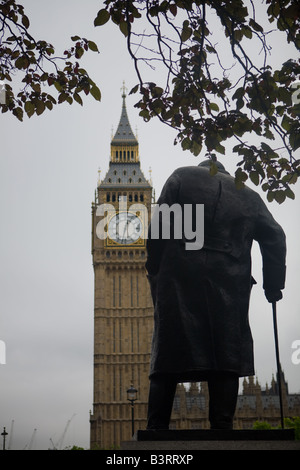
{"x":124,"y":166}
{"x":124,"y":134}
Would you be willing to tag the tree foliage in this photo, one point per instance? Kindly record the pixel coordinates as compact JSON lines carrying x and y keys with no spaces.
{"x":215,"y":89}
{"x":34,"y":61}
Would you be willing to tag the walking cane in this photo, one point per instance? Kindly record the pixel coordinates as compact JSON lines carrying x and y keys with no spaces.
{"x":278,"y":362}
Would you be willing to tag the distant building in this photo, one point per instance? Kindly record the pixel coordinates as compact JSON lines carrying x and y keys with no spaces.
{"x":190,"y":409}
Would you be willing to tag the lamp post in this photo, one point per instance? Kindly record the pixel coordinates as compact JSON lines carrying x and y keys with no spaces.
{"x":131,"y":397}
{"x":4,"y":434}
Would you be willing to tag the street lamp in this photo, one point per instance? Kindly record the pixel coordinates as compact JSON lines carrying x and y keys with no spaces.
{"x":131,"y":397}
{"x":4,"y":434}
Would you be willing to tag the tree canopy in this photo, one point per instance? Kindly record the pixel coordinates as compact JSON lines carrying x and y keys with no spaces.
{"x":204,"y":68}
{"x":35,"y":63}
{"x":214,"y":87}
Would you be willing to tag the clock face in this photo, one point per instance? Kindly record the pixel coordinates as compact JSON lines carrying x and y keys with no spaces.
{"x":125,"y":228}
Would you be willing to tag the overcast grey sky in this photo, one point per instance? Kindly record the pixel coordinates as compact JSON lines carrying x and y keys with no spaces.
{"x":49,"y":172}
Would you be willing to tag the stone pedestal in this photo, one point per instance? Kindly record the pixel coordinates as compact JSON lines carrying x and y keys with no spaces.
{"x":194,"y":440}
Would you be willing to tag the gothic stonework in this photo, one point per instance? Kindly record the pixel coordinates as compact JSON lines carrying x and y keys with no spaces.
{"x":123,"y":314}
{"x":190,"y":410}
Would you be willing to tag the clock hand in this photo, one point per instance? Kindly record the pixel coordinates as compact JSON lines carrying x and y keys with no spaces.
{"x":126,"y":227}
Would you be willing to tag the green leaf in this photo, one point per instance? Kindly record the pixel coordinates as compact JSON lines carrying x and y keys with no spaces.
{"x":62,"y":97}
{"x":134,"y":90}
{"x":254,"y":177}
{"x":295,"y":140}
{"x":79,"y":52}
{"x":255,"y":26}
{"x":186,"y":144}
{"x":29,"y":108}
{"x":211,"y":49}
{"x":280,"y":196}
{"x":173,"y":9}
{"x":75,"y":38}
{"x":102,"y":17}
{"x":214,"y":106}
{"x":186,"y":31}
{"x":49,"y":105}
{"x":18,"y":112}
{"x":36,"y":87}
{"x":213,"y":170}
{"x":238,"y":35}
{"x":93,"y":46}
{"x":240,"y":178}
{"x":145,"y":114}
{"x":269,"y":135}
{"x":247,"y":32}
{"x":77,"y":98}
{"x":270,"y":152}
{"x":289,"y":193}
{"x":50,"y":50}
{"x":296,"y":109}
{"x":293,"y":179}
{"x":265,"y":187}
{"x":40,"y":107}
{"x":57,"y":86}
{"x":239,"y":93}
{"x":240,"y":104}
{"x":124,"y":28}
{"x":259,"y":169}
{"x":25,"y":21}
{"x":157,"y":91}
{"x":22,"y":62}
{"x":95,"y":92}
{"x":220,"y":148}
{"x":285,"y":123}
{"x":196,"y":148}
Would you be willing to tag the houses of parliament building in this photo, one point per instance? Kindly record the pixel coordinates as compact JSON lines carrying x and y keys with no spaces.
{"x":123,"y":313}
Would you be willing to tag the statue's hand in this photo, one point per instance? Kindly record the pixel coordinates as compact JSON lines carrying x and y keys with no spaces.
{"x":273,"y":296}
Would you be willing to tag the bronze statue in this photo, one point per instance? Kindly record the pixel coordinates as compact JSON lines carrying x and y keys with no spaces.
{"x":201,"y":296}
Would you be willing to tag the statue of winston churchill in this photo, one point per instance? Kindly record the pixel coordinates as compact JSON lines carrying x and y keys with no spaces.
{"x":201,"y":296}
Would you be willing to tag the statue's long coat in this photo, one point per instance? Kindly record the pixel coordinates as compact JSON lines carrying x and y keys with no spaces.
{"x":201,"y":297}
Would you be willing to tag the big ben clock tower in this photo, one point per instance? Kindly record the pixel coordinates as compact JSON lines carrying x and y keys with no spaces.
{"x":123,"y":313}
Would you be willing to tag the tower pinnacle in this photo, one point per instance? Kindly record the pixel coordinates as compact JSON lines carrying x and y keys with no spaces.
{"x":124,"y":144}
{"x":124,"y":90}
